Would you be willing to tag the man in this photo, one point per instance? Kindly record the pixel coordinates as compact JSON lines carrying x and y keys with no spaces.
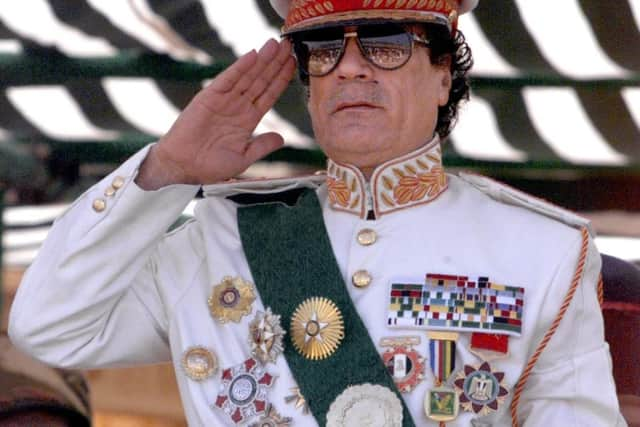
{"x":384,"y":293}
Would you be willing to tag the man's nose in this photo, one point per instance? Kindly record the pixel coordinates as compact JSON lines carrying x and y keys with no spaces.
{"x":353,"y":64}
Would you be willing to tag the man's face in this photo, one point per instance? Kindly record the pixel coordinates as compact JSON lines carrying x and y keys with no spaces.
{"x":365,"y":115}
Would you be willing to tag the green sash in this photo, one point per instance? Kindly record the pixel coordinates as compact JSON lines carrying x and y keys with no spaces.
{"x":291,"y":259}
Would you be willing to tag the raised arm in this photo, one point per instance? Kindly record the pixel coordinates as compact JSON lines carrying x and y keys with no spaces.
{"x":93,"y":296}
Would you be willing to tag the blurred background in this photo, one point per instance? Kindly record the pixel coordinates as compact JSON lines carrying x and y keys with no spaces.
{"x":555,"y":111}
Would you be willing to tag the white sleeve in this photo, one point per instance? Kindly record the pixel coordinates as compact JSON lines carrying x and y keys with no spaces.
{"x":90,"y":298}
{"x":573,"y":380}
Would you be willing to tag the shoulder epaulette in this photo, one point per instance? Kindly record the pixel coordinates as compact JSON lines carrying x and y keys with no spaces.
{"x":509,"y":195}
{"x":252,"y":191}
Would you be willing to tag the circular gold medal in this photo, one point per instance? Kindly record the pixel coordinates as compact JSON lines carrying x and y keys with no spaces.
{"x":317,"y":328}
{"x":199,"y":363}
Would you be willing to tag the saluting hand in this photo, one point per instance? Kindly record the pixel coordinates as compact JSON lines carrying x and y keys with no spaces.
{"x":212,"y":140}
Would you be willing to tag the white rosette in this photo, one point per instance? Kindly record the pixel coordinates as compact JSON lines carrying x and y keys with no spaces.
{"x":365,"y":405}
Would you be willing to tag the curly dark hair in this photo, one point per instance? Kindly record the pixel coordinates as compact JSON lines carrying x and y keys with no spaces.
{"x":443,"y":45}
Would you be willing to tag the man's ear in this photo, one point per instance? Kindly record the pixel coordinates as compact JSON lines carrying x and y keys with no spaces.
{"x":446,"y":81}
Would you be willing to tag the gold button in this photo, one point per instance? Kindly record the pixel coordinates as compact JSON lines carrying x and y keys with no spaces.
{"x":367,"y":237}
{"x":361,"y":279}
{"x":118,"y":182}
{"x":110,"y":191}
{"x":99,"y":205}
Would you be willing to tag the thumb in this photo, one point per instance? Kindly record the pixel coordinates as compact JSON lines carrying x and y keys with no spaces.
{"x":262,"y":145}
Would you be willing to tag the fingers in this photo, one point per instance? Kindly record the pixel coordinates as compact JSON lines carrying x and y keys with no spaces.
{"x":262,"y":145}
{"x":226,"y":80}
{"x":252,"y":73}
{"x":266,"y":55}
{"x":269,"y":97}
{"x":261,"y":81}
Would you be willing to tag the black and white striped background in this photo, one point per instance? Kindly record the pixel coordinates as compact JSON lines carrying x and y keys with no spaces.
{"x":587,"y":50}
{"x":586,"y":39}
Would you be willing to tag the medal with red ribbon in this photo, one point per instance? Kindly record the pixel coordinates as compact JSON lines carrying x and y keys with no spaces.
{"x":489,"y":346}
{"x":481,"y":389}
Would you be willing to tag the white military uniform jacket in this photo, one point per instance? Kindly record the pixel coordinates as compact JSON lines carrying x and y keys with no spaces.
{"x":110,"y":287}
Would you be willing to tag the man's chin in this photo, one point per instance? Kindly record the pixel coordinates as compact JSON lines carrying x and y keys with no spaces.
{"x":354,"y":147}
{"x":359,"y":130}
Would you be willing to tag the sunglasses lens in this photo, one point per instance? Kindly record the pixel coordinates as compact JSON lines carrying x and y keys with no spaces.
{"x":323,"y":56}
{"x":387,"y":46}
{"x":319,"y":51}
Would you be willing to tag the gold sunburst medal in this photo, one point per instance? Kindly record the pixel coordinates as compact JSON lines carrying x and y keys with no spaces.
{"x":317,"y":328}
{"x":231,"y":299}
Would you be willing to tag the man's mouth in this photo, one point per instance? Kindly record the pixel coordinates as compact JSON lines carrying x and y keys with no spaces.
{"x":358,"y":105}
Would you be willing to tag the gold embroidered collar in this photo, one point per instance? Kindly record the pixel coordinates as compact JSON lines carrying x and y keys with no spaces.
{"x":413,"y":179}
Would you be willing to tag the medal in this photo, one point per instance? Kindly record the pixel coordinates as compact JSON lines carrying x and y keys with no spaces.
{"x":317,"y":328}
{"x":271,"y":418}
{"x":243,"y":391}
{"x":480,"y":389}
{"x":265,"y":336}
{"x":442,"y":354}
{"x":363,"y":405}
{"x":299,"y":399}
{"x":441,"y":402}
{"x":489,"y":346}
{"x":404,"y":363}
{"x":199,"y":363}
{"x":456,"y":303}
{"x":231,"y":299}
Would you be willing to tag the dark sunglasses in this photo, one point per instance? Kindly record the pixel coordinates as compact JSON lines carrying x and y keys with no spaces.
{"x":387,"y":46}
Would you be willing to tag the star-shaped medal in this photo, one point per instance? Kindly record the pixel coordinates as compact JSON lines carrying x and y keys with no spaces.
{"x":481,"y":389}
{"x":265,"y":336}
{"x":317,"y":328}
